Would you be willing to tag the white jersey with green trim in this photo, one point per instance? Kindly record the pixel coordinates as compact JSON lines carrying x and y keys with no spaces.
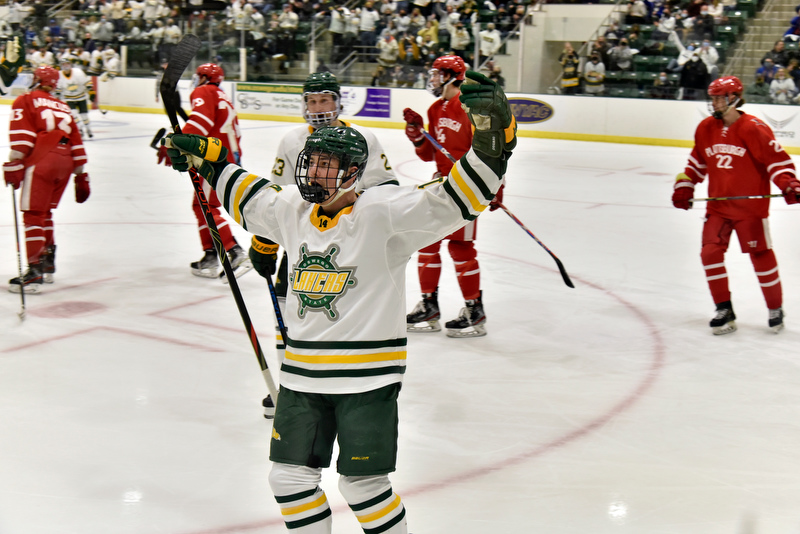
{"x":75,"y":87}
{"x":345,"y":311}
{"x":378,"y":171}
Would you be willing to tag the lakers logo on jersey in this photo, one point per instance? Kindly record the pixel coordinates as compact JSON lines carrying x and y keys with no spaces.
{"x":318,"y":281}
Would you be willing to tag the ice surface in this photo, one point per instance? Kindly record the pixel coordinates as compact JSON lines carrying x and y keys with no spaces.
{"x":130,"y":397}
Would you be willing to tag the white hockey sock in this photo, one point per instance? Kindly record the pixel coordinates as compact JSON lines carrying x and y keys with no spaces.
{"x":303,"y":504}
{"x":376,"y":506}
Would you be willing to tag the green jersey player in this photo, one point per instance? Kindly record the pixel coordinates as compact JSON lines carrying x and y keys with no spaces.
{"x":348,"y":254}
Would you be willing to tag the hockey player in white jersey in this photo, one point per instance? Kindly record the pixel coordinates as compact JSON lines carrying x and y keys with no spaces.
{"x":348,"y":249}
{"x":322,"y":105}
{"x":74,"y":88}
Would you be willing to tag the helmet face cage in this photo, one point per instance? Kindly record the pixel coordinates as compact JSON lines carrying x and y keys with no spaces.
{"x":310,"y":189}
{"x":452,"y":65}
{"x":321,"y":118}
{"x":341,"y":147}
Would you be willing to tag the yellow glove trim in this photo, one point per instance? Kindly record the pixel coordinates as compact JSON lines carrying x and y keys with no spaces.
{"x":264,"y":248}
{"x":511,"y":131}
{"x":211,"y":152}
{"x":682,"y":177}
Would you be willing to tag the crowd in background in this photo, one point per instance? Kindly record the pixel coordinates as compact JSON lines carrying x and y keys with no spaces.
{"x":402,"y":37}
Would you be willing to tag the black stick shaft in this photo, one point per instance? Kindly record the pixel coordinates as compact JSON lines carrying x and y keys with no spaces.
{"x":560,"y":265}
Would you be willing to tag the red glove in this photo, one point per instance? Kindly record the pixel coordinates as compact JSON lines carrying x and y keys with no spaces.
{"x":498,"y":199}
{"x":14,"y":173}
{"x":414,"y":124}
{"x":163,"y":157}
{"x":791,"y":193}
{"x":82,"y":190}
{"x":684,"y":192}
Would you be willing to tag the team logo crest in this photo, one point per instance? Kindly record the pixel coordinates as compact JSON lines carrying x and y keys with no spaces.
{"x":318,"y":281}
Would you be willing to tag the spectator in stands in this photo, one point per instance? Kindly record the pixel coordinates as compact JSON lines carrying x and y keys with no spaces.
{"x":602,"y":48}
{"x":694,"y":79}
{"x":621,"y":56}
{"x":497,"y":75}
{"x":768,"y":70}
{"x":288,"y":22}
{"x":793,"y":70}
{"x":429,"y":50}
{"x":717,"y":10}
{"x":504,"y":21}
{"x":710,"y":57}
{"x":416,"y":21}
{"x":664,"y":26}
{"x":758,"y":92}
{"x":425,"y":7}
{"x":793,"y":33}
{"x":490,"y":41}
{"x":42,"y":58}
{"x":663,"y":87}
{"x":336,"y":28}
{"x":703,"y":27}
{"x":779,"y":55}
{"x":685,"y":53}
{"x":569,"y":69}
{"x":17,"y":13}
{"x":594,"y":74}
{"x":636,"y":12}
{"x":459,"y":41}
{"x":431,"y":29}
{"x":613,"y":33}
{"x":683,"y":24}
{"x":388,"y":51}
{"x":367,"y":34}
{"x":782,"y":88}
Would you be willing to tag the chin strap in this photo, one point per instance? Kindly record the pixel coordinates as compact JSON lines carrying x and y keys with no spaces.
{"x":339,"y":192}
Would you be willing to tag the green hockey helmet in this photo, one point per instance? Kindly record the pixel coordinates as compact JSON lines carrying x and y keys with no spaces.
{"x":322,"y":83}
{"x":331,"y":152}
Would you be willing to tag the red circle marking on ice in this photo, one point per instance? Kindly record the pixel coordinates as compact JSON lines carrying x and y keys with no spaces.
{"x":63,"y":310}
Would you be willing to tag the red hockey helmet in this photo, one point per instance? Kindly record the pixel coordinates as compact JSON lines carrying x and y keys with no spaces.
{"x":726,"y":85}
{"x":212,"y":72}
{"x":45,"y":77}
{"x":452,"y":63}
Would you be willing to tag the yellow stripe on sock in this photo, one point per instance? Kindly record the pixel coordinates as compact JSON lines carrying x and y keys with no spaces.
{"x":380,"y":513}
{"x":305,"y":507}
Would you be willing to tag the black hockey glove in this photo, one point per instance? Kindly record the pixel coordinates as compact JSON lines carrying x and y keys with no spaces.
{"x":488,"y":110}
{"x":195,"y":151}
{"x":263,"y":255}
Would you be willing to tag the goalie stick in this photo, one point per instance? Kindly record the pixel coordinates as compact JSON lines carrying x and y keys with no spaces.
{"x":181,"y":57}
{"x":560,"y":265}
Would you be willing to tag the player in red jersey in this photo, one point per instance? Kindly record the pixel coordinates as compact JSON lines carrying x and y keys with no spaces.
{"x":213,"y":115}
{"x":449,"y":125}
{"x":46,"y":148}
{"x":740,"y":156}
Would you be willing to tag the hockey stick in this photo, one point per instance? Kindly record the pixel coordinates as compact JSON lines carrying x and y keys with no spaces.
{"x":157,"y":137}
{"x":182,"y":55}
{"x":560,"y":265}
{"x":19,"y":255}
{"x":733,"y":198}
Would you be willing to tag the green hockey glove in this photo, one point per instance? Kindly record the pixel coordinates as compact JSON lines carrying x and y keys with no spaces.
{"x":190,"y":150}
{"x":488,"y":110}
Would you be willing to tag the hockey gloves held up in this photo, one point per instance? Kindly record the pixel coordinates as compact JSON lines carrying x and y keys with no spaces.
{"x":82,"y":189}
{"x":683,"y":192}
{"x":14,"y":173}
{"x":13,"y":58}
{"x":264,"y":256}
{"x":414,"y":126}
{"x":489,"y":112}
{"x":195,"y":151}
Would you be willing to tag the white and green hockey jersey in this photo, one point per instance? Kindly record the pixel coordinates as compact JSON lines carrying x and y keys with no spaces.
{"x":378,"y":171}
{"x":345,"y":310}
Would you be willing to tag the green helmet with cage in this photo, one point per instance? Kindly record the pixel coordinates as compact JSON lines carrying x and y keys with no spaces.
{"x":340,"y":148}
{"x":322,"y":83}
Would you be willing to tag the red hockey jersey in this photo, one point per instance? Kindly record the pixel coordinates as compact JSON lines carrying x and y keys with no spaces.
{"x":35,"y":114}
{"x":213,"y":116}
{"x":449,"y":125}
{"x":739,"y":160}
